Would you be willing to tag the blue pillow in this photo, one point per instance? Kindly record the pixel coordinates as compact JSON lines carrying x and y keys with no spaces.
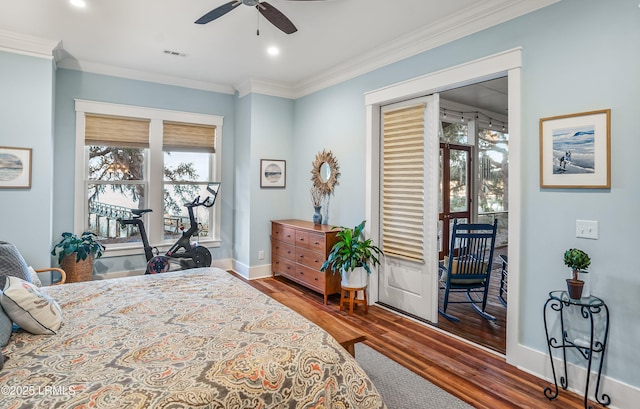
{"x":6,"y":326}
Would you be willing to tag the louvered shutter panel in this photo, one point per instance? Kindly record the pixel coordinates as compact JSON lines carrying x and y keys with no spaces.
{"x":179,"y":136}
{"x":403,"y":183}
{"x":105,"y":130}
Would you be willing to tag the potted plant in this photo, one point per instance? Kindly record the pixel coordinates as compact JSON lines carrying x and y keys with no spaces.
{"x":576,"y":260}
{"x":76,"y":255}
{"x":352,"y":256}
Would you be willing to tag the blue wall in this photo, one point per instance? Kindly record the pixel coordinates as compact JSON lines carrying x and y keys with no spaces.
{"x":26,"y":115}
{"x":71,"y":84}
{"x":577,"y":56}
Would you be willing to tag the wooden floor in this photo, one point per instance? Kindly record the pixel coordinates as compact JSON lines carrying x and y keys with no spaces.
{"x":473,"y":327}
{"x":477,"y":376}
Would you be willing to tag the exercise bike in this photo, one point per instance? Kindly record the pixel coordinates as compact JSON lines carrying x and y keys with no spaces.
{"x":182,"y":252}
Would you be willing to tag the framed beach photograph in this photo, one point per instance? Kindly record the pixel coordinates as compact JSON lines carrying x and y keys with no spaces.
{"x":575,"y":151}
{"x":15,"y":167}
{"x":273,"y":173}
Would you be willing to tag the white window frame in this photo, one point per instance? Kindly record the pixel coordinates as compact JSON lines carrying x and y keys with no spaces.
{"x":155,"y":167}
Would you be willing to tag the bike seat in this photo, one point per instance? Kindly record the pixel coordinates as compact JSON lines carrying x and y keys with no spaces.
{"x":140,"y":212}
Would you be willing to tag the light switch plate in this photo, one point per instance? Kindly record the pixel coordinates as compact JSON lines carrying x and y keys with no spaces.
{"x":587,"y":229}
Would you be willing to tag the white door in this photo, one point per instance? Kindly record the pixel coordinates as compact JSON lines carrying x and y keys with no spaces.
{"x":409,"y":177}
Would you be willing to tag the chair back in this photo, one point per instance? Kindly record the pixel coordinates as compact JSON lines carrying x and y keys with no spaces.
{"x":471,"y":253}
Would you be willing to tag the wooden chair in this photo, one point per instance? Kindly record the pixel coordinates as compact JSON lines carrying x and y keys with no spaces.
{"x":468,"y":267}
{"x":63,"y":275}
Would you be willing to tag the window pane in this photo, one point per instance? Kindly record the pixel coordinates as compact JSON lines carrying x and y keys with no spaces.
{"x":108,"y":202}
{"x":110,"y":163}
{"x":186,"y":166}
{"x":493,"y":201}
{"x":454,"y":132}
{"x":458,"y":183}
{"x":493,"y":170}
{"x":176,"y":216}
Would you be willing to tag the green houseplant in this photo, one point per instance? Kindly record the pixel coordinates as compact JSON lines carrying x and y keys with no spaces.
{"x":576,"y":260}
{"x":76,"y":254}
{"x":351,"y":253}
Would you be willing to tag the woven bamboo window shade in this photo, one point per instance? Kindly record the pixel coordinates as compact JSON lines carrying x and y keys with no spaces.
{"x":403,"y":183}
{"x":105,"y":130}
{"x":188,"y":137}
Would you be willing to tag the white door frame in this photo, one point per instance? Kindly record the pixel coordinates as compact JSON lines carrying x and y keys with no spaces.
{"x":505,"y":63}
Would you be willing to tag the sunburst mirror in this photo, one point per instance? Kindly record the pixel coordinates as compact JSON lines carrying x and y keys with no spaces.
{"x":325,"y":172}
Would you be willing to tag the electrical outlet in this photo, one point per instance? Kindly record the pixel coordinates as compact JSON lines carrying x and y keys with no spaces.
{"x":261,"y":255}
{"x":587,"y":229}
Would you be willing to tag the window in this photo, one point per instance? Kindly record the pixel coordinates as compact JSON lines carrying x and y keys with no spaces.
{"x":134,"y":158}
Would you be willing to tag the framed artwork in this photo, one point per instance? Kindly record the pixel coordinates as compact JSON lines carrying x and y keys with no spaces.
{"x":273,"y":173}
{"x":15,"y":167}
{"x":575,"y":150}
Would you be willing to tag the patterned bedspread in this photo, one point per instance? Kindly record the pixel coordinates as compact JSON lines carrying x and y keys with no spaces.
{"x":199,"y":338}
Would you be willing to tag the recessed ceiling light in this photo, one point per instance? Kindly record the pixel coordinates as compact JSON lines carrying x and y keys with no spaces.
{"x":273,"y":50}
{"x":78,"y":3}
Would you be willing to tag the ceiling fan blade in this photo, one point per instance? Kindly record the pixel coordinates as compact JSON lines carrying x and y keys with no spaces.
{"x":218,"y":12}
{"x":276,"y":17}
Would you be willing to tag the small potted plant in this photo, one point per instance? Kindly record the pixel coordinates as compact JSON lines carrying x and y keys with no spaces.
{"x":576,"y":260}
{"x":352,"y":256}
{"x":76,"y":255}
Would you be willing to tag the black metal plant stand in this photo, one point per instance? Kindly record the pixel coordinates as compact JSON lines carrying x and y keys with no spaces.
{"x":589,"y":307}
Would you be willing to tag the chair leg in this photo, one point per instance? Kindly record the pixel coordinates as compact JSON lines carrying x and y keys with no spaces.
{"x":482,"y":312}
{"x":443,"y":310}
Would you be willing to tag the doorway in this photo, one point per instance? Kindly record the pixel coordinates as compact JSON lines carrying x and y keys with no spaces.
{"x":507,"y":63}
{"x":473,"y":177}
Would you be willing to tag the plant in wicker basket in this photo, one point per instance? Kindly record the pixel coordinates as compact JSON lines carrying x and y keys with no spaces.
{"x":76,"y":255}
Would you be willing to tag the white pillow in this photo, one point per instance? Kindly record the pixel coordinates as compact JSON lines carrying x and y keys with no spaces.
{"x":30,"y":308}
{"x":34,"y":277}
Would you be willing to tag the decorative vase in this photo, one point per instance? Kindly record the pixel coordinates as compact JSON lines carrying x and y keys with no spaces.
{"x":574,"y":288}
{"x":358,"y":278}
{"x":317,"y":216}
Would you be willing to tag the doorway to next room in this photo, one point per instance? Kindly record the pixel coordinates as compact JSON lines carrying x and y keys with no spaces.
{"x":473,"y":138}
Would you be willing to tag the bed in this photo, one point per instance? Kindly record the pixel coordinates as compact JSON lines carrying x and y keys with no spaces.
{"x":197,"y":338}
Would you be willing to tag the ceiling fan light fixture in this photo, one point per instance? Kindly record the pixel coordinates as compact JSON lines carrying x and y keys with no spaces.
{"x":250,"y":3}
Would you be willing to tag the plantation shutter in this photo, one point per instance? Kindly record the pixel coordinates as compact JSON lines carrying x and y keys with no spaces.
{"x":403,"y":182}
{"x":179,"y":136}
{"x":106,"y":130}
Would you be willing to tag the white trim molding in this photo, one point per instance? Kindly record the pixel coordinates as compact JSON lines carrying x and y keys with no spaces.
{"x":28,"y":45}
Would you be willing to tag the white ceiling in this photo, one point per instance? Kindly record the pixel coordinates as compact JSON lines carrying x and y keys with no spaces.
{"x":336,"y":39}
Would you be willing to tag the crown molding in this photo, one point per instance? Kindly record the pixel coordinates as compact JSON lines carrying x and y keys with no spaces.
{"x":484,"y":15}
{"x":28,"y":45}
{"x":97,"y":68}
{"x":254,"y":86}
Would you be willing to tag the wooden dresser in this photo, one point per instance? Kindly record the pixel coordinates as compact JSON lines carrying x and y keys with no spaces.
{"x":298,"y":249}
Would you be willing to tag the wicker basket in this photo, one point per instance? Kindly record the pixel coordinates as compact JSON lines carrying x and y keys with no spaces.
{"x":77,"y":271}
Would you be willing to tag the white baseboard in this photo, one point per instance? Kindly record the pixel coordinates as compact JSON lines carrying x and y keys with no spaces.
{"x":252,"y":273}
{"x":538,"y":364}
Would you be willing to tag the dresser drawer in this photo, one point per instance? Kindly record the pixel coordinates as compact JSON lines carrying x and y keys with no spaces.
{"x":310,"y":277}
{"x":309,"y":258}
{"x":282,"y":266}
{"x":283,"y":233}
{"x":283,"y":249}
{"x":310,"y":240}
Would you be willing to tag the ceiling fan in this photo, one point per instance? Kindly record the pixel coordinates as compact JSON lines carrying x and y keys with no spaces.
{"x":269,"y":12}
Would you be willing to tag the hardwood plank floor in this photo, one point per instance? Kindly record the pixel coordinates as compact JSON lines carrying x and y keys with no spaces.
{"x":477,"y":376}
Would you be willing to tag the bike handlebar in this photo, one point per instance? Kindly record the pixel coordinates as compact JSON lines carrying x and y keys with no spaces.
{"x":213,"y":188}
